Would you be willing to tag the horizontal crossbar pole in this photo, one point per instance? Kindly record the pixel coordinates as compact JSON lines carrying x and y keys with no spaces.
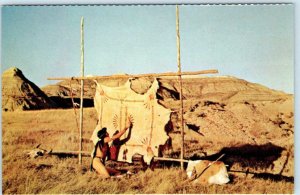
{"x":138,"y":75}
{"x":85,"y":153}
{"x":170,"y":159}
{"x":61,"y":152}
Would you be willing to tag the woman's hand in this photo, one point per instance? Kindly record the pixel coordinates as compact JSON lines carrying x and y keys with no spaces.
{"x":129,"y":122}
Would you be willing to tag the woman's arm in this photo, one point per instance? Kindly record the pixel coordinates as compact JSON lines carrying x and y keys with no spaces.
{"x":118,"y":135}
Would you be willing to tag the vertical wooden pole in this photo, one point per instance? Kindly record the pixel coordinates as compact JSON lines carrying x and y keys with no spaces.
{"x":81,"y":92}
{"x":180,"y":83}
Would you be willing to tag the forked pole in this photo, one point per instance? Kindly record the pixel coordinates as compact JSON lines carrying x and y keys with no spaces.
{"x":81,"y":91}
{"x":180,"y":84}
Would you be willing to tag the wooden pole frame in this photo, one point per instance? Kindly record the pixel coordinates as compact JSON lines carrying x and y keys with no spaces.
{"x":81,"y":91}
{"x":179,"y":74}
{"x":180,"y":84}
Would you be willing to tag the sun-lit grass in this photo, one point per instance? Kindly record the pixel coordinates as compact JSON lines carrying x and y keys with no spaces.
{"x":53,"y":129}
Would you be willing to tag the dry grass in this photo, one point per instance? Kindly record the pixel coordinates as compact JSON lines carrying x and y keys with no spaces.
{"x":50,"y":175}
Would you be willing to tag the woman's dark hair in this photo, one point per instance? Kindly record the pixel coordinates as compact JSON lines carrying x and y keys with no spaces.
{"x":101,"y":133}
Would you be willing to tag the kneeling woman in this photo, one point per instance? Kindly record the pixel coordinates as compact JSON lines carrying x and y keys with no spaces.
{"x":101,"y":150}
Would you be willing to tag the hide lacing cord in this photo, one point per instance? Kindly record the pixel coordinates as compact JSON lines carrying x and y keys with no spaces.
{"x":74,"y":107}
{"x":198,"y":175}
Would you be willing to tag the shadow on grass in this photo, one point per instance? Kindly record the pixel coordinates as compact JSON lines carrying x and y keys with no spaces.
{"x":273,"y":177}
{"x":252,"y":156}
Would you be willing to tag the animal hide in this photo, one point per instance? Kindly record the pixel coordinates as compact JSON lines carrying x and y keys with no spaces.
{"x":207,"y":172}
{"x":115,"y":104}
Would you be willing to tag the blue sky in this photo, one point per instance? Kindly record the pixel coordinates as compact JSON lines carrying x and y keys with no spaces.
{"x":253,"y":42}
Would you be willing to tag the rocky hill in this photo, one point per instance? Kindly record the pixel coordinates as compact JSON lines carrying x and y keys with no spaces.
{"x":18,"y":93}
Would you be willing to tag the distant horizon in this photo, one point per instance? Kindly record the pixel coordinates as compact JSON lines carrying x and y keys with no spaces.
{"x":253,"y":42}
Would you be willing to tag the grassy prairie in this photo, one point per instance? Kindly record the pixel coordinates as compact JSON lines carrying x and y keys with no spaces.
{"x":55,"y":129}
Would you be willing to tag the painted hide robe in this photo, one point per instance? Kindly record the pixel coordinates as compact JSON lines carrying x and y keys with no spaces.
{"x":115,"y":104}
